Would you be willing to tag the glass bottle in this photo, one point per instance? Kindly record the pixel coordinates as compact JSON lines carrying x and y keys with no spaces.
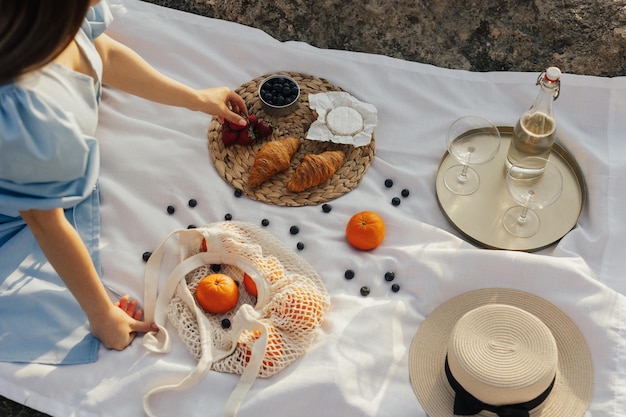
{"x":533,"y":134}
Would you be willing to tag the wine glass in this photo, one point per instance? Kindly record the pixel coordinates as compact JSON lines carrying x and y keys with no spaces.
{"x":532,"y":192}
{"x":471,"y":140}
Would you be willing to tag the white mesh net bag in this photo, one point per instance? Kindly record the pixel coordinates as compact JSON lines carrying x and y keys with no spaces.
{"x":262,"y":334}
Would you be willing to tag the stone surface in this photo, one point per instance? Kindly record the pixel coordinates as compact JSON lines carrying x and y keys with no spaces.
{"x":586,"y":37}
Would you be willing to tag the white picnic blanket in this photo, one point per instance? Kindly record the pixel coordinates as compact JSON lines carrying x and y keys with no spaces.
{"x":154,"y":156}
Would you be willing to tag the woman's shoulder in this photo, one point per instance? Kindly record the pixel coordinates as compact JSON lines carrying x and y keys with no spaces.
{"x":38,"y":140}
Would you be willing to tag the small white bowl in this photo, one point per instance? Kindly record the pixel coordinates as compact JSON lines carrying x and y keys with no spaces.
{"x":279,"y":95}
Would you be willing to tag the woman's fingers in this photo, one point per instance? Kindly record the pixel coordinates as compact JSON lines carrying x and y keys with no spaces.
{"x":129,"y":306}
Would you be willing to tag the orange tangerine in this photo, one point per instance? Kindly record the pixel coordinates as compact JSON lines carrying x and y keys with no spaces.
{"x":217,"y":293}
{"x":365,"y":230}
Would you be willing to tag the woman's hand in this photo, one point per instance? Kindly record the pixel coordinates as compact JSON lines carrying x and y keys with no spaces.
{"x":117,"y":327}
{"x":223,"y":103}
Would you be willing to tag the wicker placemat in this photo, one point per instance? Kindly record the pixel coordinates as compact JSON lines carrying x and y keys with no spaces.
{"x":234,"y":162}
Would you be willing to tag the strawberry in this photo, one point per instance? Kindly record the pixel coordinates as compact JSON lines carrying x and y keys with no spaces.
{"x":253,"y":119}
{"x":245,"y":137}
{"x":233,"y":133}
{"x":236,"y":126}
{"x":229,"y":137}
{"x":263,"y":129}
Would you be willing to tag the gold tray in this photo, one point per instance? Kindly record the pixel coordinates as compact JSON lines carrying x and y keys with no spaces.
{"x":479,"y":216}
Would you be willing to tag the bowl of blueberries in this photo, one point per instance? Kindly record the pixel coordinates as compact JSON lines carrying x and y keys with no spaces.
{"x":279,"y":95}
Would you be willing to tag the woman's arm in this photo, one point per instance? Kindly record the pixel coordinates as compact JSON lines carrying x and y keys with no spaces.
{"x":124,"y":69}
{"x":67,"y":253}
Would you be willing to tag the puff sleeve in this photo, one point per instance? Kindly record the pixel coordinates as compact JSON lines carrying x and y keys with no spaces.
{"x":45,"y":160}
{"x":97,"y":20}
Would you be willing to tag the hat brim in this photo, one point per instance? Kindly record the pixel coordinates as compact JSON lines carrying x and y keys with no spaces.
{"x":573,"y":389}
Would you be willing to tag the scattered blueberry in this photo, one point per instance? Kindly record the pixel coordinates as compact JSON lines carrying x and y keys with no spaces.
{"x":388,"y":183}
{"x":395,"y":201}
{"x":349,"y":274}
{"x":191,"y":226}
{"x":216,"y":267}
{"x":225,"y":324}
{"x":326,"y":208}
{"x":265,"y":222}
{"x":365,"y":291}
{"x":193,"y":202}
{"x":395,"y":288}
{"x":146,"y":256}
{"x":238,"y":193}
{"x":405,"y":193}
{"x":389,"y":276}
{"x":228,"y":217}
{"x":170,"y":209}
{"x":294,"y":230}
{"x":300,"y":245}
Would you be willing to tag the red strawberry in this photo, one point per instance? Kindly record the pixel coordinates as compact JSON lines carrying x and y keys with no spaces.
{"x":252,"y":119}
{"x":245,"y":137}
{"x":263,"y":129}
{"x":236,"y":126}
{"x":229,"y":137}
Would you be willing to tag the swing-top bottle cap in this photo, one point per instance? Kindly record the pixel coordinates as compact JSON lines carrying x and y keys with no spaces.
{"x":553,"y":74}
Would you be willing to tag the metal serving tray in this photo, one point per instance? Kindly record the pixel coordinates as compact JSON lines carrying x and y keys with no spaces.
{"x":478,"y":217}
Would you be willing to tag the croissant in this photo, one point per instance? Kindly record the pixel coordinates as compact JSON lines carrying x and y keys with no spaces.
{"x":314,"y":170}
{"x":272,"y":158}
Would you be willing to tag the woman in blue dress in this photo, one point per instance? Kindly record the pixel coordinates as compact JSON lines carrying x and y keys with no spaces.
{"x":54,"y":57}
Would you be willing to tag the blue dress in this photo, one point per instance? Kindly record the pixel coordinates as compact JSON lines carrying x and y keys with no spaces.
{"x":49,"y":158}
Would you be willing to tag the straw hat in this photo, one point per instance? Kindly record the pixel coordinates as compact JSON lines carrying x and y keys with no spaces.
{"x":500,"y":347}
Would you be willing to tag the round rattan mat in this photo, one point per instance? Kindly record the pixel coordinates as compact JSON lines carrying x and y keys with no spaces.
{"x":233,"y":163}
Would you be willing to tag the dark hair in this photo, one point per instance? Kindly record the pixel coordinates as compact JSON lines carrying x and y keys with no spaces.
{"x":34,"y":32}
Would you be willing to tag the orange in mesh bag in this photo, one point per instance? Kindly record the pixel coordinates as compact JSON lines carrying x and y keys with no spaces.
{"x":266,"y":334}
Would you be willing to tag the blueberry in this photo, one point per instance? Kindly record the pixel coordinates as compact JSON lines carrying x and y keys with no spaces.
{"x":405,"y":193}
{"x":349,"y":274}
{"x":146,"y":256}
{"x":395,"y":201}
{"x":265,"y":222}
{"x":191,"y":226}
{"x":389,"y":276}
{"x":326,"y":208}
{"x":365,"y":291}
{"x":228,"y":217}
{"x":238,"y":193}
{"x":193,"y":202}
{"x":388,"y":183}
{"x":170,"y":209}
{"x":294,"y":230}
{"x":216,"y":267}
{"x":395,"y":288}
{"x":225,"y":324}
{"x":300,"y":245}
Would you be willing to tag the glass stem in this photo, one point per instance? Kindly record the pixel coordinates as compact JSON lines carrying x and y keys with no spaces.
{"x":463,"y":174}
{"x":522,"y":216}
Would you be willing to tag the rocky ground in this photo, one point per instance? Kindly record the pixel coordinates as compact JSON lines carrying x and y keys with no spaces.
{"x":586,"y":37}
